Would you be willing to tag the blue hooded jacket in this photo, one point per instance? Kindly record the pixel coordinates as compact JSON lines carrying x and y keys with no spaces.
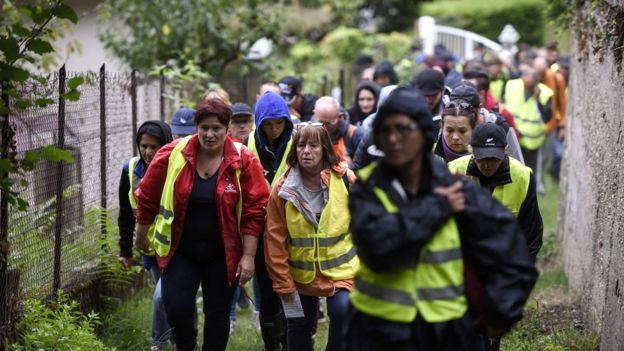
{"x":271,"y":106}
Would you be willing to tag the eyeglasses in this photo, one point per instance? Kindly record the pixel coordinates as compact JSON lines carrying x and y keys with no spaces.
{"x":402,"y":130}
{"x":461,"y":104}
{"x":313,"y":124}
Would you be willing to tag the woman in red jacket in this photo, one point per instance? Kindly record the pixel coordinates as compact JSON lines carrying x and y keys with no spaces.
{"x":190,"y":193}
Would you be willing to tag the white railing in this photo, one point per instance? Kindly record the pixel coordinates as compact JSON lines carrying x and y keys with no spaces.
{"x":458,"y":41}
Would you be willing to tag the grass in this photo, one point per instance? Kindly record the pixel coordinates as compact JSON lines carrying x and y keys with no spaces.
{"x":128,"y":326}
{"x":552,"y":320}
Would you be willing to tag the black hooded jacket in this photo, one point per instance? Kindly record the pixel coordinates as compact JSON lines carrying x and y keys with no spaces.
{"x":492,"y":241}
{"x":529,"y":216}
{"x":126,"y":220}
{"x":356,"y":116}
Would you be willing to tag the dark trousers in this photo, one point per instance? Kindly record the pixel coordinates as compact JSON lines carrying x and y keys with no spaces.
{"x":300,"y":329}
{"x":271,"y":303}
{"x":179,"y":283}
{"x":530,"y":158}
{"x":368,"y":333}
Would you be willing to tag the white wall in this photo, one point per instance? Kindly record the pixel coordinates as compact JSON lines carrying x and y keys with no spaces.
{"x":93,"y":54}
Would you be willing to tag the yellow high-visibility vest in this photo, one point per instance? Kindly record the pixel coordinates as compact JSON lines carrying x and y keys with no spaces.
{"x":251,"y":142}
{"x":161,"y":241}
{"x":434,"y":288}
{"x":134,"y":185}
{"x":329,"y":246}
{"x":511,"y":195}
{"x":526,"y":114}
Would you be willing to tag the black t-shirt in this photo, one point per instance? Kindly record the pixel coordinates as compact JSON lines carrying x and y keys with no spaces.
{"x":201,"y":238}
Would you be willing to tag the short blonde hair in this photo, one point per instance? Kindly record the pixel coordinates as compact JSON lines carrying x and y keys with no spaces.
{"x":218,"y":93}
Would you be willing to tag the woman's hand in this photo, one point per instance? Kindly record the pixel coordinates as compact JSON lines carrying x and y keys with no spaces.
{"x":141,"y":241}
{"x":246,"y":268}
{"x":454,"y":194}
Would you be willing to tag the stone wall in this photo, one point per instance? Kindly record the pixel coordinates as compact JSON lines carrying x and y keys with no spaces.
{"x":592,"y":205}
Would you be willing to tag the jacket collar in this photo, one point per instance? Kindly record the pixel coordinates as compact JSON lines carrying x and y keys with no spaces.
{"x":230,"y":155}
{"x":501,"y":177}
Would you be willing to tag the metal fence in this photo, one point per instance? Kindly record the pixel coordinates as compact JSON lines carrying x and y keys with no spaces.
{"x":72,"y":214}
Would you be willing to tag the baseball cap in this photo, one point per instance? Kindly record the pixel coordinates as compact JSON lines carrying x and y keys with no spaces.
{"x":467,"y":93}
{"x":241,"y":109}
{"x":182,"y":122}
{"x":429,"y":81}
{"x":488,"y":141}
{"x":289,"y":88}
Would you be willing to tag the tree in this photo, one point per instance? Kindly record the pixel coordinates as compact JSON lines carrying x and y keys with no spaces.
{"x":209,"y":33}
{"x":25,"y":35}
{"x":392,"y":15}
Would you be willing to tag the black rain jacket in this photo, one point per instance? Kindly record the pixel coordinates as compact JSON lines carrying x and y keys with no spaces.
{"x":491,"y":239}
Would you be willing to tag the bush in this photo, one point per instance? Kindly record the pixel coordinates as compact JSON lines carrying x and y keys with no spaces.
{"x":59,"y":326}
{"x":489,"y":17}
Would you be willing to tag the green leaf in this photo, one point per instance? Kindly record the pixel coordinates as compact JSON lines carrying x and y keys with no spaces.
{"x":75,"y":82}
{"x":54,"y":154}
{"x":40,"y":46}
{"x":22,"y":104}
{"x":41,"y":15}
{"x":66,"y":12}
{"x":43,"y":102}
{"x":4,"y":110}
{"x":13,"y":73}
{"x":18,"y":29}
{"x":22,"y":204}
{"x":6,"y":166}
{"x":10,"y":48}
{"x":72,"y":95}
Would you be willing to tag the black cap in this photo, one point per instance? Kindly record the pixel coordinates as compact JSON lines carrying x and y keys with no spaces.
{"x":488,"y":141}
{"x":429,"y":81}
{"x":411,"y":102}
{"x":241,"y":109}
{"x":290,"y":87}
{"x":467,"y":93}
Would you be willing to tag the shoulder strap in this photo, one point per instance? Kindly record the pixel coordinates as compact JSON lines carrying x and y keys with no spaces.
{"x":239,"y":204}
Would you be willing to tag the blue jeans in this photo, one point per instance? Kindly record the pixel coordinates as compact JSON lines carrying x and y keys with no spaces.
{"x":300,"y":329}
{"x":179,"y":285}
{"x":160,"y":328}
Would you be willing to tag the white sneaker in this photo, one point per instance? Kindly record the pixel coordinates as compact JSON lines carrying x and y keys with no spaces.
{"x":256,"y":320}
{"x":232,"y":326}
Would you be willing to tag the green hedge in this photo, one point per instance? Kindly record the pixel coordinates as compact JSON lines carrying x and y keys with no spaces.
{"x":488,"y":17}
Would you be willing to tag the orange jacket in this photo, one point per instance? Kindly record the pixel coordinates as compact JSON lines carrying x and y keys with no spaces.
{"x":276,"y":253}
{"x":556,"y":82}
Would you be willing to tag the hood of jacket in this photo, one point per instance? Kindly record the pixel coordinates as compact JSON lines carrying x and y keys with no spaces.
{"x":157,"y":129}
{"x":272,"y":106}
{"x":355,"y":112}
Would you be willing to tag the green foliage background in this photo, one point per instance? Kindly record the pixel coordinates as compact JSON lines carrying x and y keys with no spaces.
{"x":488,"y":17}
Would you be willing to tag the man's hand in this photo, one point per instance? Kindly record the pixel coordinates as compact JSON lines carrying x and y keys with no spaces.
{"x":454,"y":194}
{"x":561,"y":133}
{"x":245,"y":269}
{"x":126,"y":262}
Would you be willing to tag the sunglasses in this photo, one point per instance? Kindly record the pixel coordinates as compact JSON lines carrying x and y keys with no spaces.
{"x":402,"y":130}
{"x":305,"y":124}
{"x":461,"y":104}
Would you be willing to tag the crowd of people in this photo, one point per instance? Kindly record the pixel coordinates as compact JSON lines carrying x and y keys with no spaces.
{"x":410,"y":217}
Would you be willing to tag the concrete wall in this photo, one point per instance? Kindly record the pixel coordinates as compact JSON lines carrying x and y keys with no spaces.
{"x":592,"y":212}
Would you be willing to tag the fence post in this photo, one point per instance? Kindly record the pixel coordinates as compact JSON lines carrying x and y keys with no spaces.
{"x":4,"y":230}
{"x":341,"y":83}
{"x":133,"y":96}
{"x":162,"y":97}
{"x":427,"y":34}
{"x":58,"y":228}
{"x":103,"y":212}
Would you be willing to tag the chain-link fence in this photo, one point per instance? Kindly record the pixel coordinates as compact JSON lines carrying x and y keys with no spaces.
{"x":73,"y":206}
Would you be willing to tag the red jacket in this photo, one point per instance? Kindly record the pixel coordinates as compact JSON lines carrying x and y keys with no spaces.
{"x":255,"y":197}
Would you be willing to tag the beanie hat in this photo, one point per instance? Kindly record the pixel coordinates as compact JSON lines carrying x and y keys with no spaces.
{"x":410,"y":102}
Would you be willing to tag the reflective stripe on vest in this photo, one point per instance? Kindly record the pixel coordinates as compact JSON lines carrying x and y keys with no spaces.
{"x":329,"y":246}
{"x":526,"y":114}
{"x":511,"y":195}
{"x":134,"y":182}
{"x":251,"y":142}
{"x":134,"y":185}
{"x":161,"y":241}
{"x":434,"y":288}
